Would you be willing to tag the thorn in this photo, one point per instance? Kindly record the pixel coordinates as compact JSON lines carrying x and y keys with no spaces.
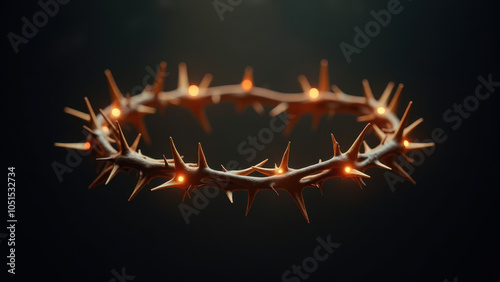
{"x":386,"y":94}
{"x":316,"y":120}
{"x":393,"y":106}
{"x":116,"y":95}
{"x":418,"y":146}
{"x":398,"y":135}
{"x":399,"y":170}
{"x":274,"y":189}
{"x":178,"y":162}
{"x":354,"y":172}
{"x":284,"y":160}
{"x":366,"y":147}
{"x":205,"y":83}
{"x":381,"y":165}
{"x":183,"y":82}
{"x":230,"y":195}
{"x":78,"y":114}
{"x":145,"y":109}
{"x":380,"y":134}
{"x":141,"y":127}
{"x":278,"y":109}
{"x":298,"y":197}
{"x":258,"y":107}
{"x":412,"y":126}
{"x":124,"y":148}
{"x":365,"y":118}
{"x":102,"y":177}
{"x":367,"y":90}
{"x":304,"y":83}
{"x":251,"y":198}
{"x":143,"y":181}
{"x":160,"y":79}
{"x":336,"y":147}
{"x":93,"y":119}
{"x":113,"y":173}
{"x":74,"y":146}
{"x":134,"y":145}
{"x":202,"y":161}
{"x":352,"y":153}
{"x":324,"y":83}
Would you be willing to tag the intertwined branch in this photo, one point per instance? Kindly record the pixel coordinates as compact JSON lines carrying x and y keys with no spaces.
{"x":108,"y":144}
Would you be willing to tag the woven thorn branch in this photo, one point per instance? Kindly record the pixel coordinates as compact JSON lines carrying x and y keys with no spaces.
{"x":107,"y":142}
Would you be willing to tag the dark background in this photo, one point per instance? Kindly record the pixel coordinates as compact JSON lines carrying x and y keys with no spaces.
{"x":444,"y":227}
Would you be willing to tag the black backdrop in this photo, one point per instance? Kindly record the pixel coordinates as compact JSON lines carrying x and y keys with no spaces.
{"x":442,"y":228}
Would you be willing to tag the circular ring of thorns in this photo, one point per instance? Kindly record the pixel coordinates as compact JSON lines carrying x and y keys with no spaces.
{"x":107,"y":142}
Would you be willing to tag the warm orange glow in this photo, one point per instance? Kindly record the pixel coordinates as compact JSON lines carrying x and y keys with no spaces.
{"x":313,"y":93}
{"x":193,"y":90}
{"x":246,"y":85}
{"x":381,"y":110}
{"x":115,"y":112}
{"x":180,"y":178}
{"x":406,"y":143}
{"x":280,"y":171}
{"x":87,"y":145}
{"x":347,"y":169}
{"x":105,"y":128}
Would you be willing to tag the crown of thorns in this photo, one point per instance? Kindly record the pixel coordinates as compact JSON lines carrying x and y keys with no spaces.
{"x":107,"y":142}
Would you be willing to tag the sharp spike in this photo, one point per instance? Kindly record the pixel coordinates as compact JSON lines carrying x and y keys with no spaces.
{"x":324,"y":82}
{"x":160,"y":79}
{"x":292,"y":120}
{"x":380,"y":134}
{"x":113,"y":173}
{"x":78,"y":114}
{"x":229,"y":194}
{"x":304,"y":83}
{"x":205,"y":82}
{"x":251,"y":198}
{"x":298,"y":197}
{"x":393,"y":106}
{"x":352,"y":153}
{"x":399,"y":170}
{"x":412,"y":126}
{"x":145,"y":109}
{"x":258,"y":107}
{"x":274,"y":189}
{"x":386,"y":94}
{"x":134,"y":145}
{"x":178,"y":162}
{"x":124,"y":148}
{"x":116,"y":95}
{"x":166,"y":161}
{"x":381,"y":165}
{"x":93,"y":119}
{"x":356,"y":173}
{"x":202,"y":161}
{"x":102,"y":176}
{"x":143,"y":181}
{"x":172,"y":183}
{"x":183,"y":83}
{"x":367,"y":90}
{"x":418,"y":146}
{"x":202,"y":118}
{"x":365,"y":118}
{"x":284,"y":160}
{"x":278,"y":109}
{"x":265,"y":171}
{"x":398,"y":135}
{"x":336,"y":147}
{"x":74,"y":146}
